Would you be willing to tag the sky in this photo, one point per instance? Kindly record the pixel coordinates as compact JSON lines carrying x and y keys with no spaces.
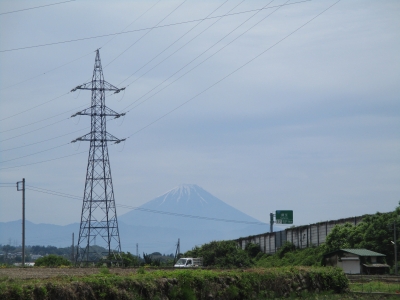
{"x":293,"y":107}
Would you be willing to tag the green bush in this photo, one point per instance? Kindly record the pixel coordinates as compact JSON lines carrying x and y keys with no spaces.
{"x":289,"y":256}
{"x":252,"y":249}
{"x":287,"y":247}
{"x":225,"y":254}
{"x":52,"y":260}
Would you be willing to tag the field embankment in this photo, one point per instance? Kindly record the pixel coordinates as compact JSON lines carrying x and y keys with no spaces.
{"x":173,"y":284}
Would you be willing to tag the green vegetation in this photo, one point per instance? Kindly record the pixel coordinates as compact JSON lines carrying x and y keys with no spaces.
{"x":225,"y":254}
{"x":375,"y":233}
{"x":128,"y":260}
{"x":375,"y":287}
{"x":182,"y":284}
{"x":288,"y":255}
{"x":52,"y":260}
{"x":155,"y":259}
{"x":11,"y":254}
{"x":150,"y":260}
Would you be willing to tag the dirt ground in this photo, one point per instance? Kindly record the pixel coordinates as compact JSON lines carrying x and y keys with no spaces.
{"x":38,"y":273}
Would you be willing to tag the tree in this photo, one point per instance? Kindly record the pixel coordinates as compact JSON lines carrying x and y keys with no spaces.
{"x":221,"y":254}
{"x":150,"y":260}
{"x":340,"y":237}
{"x":129,"y":260}
{"x":286,"y":248}
{"x":7,"y":249}
{"x":252,"y":249}
{"x":377,"y":233}
{"x":52,"y":260}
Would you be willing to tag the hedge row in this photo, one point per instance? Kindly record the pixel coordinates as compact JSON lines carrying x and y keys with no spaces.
{"x":181,"y":284}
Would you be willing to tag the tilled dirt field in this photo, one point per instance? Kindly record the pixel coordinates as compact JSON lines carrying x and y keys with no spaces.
{"x":38,"y":273}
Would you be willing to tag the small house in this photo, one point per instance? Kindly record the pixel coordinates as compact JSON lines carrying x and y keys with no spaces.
{"x":357,"y":261}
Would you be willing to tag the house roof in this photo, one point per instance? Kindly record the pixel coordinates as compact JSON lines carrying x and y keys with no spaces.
{"x":362,"y":252}
{"x":358,"y":252}
{"x":376,"y":266}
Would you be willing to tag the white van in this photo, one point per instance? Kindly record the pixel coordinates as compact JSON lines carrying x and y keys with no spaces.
{"x":189,"y":262}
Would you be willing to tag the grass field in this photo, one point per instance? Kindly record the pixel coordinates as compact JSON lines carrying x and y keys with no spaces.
{"x":375,"y":286}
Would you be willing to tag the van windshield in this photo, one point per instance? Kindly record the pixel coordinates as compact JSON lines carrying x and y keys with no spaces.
{"x":181,"y":261}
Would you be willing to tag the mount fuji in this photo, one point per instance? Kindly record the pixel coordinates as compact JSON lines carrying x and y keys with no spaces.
{"x":190,"y":213}
{"x":187,"y":212}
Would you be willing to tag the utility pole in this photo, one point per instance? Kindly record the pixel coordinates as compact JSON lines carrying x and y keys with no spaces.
{"x":137,"y":254}
{"x":23,"y":218}
{"x":395,"y":248}
{"x":178,"y":250}
{"x":72,"y":248}
{"x":99,"y":214}
{"x":271,"y":222}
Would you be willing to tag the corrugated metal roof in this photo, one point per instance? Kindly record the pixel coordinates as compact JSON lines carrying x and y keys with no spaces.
{"x":376,"y":266}
{"x":362,"y":252}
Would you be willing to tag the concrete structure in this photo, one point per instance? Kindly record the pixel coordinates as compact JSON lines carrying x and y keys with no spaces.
{"x":357,"y":261}
{"x":36,"y":256}
{"x":27,"y":264}
{"x":301,"y":236}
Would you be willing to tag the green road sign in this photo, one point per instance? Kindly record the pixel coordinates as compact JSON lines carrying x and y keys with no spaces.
{"x":284,"y":216}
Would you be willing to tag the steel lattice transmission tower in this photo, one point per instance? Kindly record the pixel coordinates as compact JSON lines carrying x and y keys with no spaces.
{"x":99,"y":215}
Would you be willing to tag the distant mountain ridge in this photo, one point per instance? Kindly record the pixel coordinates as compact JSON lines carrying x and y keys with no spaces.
{"x":197,"y":209}
{"x":158,"y":226}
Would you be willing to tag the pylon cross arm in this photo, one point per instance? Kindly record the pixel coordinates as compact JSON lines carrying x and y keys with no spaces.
{"x":94,"y":111}
{"x":89,"y":138}
{"x":92,"y":86}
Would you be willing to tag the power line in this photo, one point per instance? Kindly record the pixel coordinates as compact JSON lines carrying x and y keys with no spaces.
{"x":43,"y":161}
{"x":133,"y":21}
{"x":199,"y":56}
{"x":65,"y":65}
{"x":50,"y":192}
{"x":196,"y":36}
{"x":15,"y":11}
{"x":59,"y":136}
{"x":184,"y":74}
{"x":147,"y":32}
{"x":33,"y":107}
{"x":43,"y":140}
{"x":231,"y":73}
{"x":125,"y":51}
{"x":124,"y":29}
{"x":142,"y":29}
{"x":206,"y":18}
{"x":35,"y":130}
{"x":214,"y":84}
{"x":7,"y":184}
{"x":1,"y":162}
{"x":41,"y":190}
{"x":22,"y":126}
{"x":44,"y":73}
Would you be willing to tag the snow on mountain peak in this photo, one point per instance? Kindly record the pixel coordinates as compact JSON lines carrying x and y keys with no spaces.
{"x":185,"y":192}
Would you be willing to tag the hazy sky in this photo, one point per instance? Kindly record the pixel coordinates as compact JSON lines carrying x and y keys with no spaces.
{"x":312,"y":124}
